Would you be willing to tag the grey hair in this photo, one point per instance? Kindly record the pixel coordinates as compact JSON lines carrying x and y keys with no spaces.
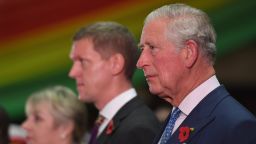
{"x":64,"y":107}
{"x":187,"y":23}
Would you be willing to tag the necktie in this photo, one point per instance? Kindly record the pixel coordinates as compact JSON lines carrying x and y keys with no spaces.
{"x":169,"y":127}
{"x":95,"y":129}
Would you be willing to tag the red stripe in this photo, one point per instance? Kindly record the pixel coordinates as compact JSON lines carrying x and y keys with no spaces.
{"x":17,"y":17}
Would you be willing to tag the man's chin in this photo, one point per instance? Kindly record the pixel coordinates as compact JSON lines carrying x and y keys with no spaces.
{"x":84,"y":99}
{"x":155,"y":91}
{"x":158,"y":93}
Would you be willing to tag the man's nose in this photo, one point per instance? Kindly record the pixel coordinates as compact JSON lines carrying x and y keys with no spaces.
{"x":142,"y":61}
{"x":73,"y":71}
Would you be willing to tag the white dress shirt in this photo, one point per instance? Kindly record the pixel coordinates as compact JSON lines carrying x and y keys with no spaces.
{"x":193,"y":99}
{"x":110,"y":110}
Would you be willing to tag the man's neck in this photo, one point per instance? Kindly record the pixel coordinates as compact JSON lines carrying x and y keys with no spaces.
{"x":193,"y":81}
{"x":113,"y":92}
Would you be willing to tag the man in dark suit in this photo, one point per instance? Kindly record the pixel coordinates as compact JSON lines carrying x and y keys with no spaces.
{"x":104,"y":58}
{"x":178,"y":53}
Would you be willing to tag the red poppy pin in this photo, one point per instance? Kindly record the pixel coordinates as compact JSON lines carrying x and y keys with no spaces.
{"x":184,"y":133}
{"x":110,"y":127}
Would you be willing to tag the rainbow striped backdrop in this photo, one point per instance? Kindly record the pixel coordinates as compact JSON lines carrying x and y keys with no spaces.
{"x":35,"y":37}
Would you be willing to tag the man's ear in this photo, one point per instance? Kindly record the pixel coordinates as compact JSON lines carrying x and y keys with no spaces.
{"x":190,"y":53}
{"x":117,"y":62}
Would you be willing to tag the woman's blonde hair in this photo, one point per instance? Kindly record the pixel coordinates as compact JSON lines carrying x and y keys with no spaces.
{"x":64,"y":107}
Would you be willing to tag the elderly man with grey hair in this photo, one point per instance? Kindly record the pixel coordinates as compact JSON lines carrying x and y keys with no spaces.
{"x":178,"y":53}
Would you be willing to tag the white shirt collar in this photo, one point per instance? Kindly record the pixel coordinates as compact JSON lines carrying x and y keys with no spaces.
{"x":194,"y":97}
{"x":110,"y":110}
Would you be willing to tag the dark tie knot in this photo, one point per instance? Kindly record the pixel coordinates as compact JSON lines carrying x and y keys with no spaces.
{"x":99,"y":120}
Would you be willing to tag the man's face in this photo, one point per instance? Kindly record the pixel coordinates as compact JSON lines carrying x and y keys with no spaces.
{"x":160,"y":59}
{"x":90,"y":71}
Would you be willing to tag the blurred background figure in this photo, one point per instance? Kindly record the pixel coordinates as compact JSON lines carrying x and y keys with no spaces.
{"x":17,"y":134}
{"x":162,"y":113}
{"x":4,"y":125}
{"x":10,"y":133}
{"x":55,"y":116}
{"x":104,"y":56}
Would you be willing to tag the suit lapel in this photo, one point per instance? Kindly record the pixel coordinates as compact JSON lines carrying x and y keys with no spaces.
{"x":201,"y":115}
{"x":109,"y":131}
{"x":196,"y":126}
{"x":117,"y":119}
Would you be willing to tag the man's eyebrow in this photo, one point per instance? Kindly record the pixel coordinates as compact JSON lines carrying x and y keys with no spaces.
{"x":140,"y":45}
{"x":72,"y":57}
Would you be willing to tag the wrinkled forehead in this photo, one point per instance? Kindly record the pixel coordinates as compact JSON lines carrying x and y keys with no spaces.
{"x":158,"y":24}
{"x":155,"y":29}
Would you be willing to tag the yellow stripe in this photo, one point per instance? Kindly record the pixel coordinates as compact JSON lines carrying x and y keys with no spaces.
{"x":34,"y":63}
{"x":46,"y":50}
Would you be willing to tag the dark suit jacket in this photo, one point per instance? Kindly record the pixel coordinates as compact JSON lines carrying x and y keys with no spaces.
{"x":217,"y":119}
{"x":134,"y":123}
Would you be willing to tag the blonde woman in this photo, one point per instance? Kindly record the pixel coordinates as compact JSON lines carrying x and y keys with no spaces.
{"x":55,"y":116}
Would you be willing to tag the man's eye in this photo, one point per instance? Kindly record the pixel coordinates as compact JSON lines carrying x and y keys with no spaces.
{"x":151,"y":47}
{"x":82,"y":61}
{"x":141,"y":47}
